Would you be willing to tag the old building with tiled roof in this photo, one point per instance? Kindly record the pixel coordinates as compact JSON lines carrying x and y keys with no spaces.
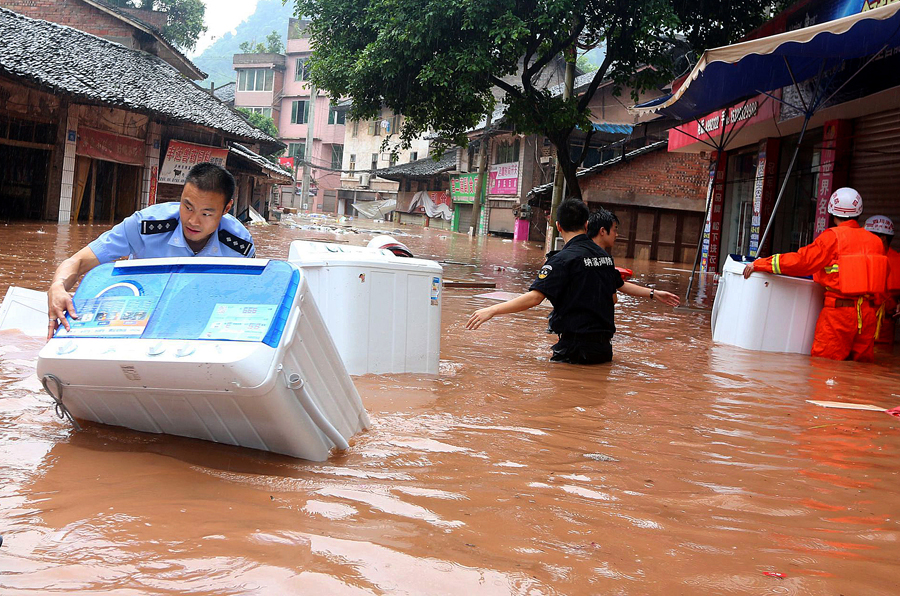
{"x":90,"y":125}
{"x":225,"y":93}
{"x":130,"y":27}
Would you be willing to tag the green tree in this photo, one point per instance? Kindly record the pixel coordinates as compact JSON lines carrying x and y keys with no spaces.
{"x":273,"y":45}
{"x":184,"y":22}
{"x":438,"y":62}
{"x":584,"y":64}
{"x":260,"y":121}
{"x":251,"y":47}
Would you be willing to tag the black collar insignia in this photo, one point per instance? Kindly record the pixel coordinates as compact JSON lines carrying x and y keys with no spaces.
{"x":159,"y":226}
{"x":235,"y":243}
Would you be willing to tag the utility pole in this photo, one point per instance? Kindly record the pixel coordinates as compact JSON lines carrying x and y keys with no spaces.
{"x":308,"y":146}
{"x":559,"y":178}
{"x":479,"y":182}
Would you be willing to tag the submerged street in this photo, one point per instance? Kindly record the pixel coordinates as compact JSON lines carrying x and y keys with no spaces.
{"x":682,"y":467}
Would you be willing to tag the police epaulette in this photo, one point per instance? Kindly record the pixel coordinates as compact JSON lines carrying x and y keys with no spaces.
{"x":235,"y":243}
{"x":158,"y":226}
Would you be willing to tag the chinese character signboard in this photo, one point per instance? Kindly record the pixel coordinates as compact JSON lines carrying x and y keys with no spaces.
{"x":729,"y":120}
{"x":836,"y":135}
{"x":504,"y":179}
{"x":110,"y":147}
{"x":462,"y":188}
{"x":181,"y":157}
{"x":763,"y":192}
{"x":709,"y":260}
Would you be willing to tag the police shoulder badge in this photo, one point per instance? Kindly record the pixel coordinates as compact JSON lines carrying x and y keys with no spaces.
{"x":545,"y":271}
{"x":235,"y":243}
{"x":158,"y":226}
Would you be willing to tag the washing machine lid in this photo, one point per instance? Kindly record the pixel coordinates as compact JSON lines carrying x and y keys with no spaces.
{"x":220,"y":299}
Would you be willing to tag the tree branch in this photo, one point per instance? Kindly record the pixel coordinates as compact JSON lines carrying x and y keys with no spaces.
{"x":530,"y":48}
{"x":584,"y":147}
{"x":588,"y":95}
{"x":556,"y":48}
{"x":510,"y":89}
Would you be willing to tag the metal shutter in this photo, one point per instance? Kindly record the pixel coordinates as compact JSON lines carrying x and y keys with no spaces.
{"x":465,"y":217}
{"x":501,"y":219}
{"x":875,"y":162}
{"x":329,"y":201}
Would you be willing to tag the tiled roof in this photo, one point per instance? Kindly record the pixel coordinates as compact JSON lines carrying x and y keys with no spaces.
{"x":85,"y":67}
{"x":139,"y":23}
{"x":275,"y":172}
{"x":421,"y":168}
{"x":225,"y":93}
{"x":617,"y":160}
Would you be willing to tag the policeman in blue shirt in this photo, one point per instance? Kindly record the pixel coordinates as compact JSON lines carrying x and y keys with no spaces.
{"x":197,"y":226}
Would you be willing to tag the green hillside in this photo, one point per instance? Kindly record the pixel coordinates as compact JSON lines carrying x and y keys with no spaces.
{"x":216,"y":60}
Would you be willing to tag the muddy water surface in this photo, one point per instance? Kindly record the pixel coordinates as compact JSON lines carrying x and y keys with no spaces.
{"x":680,"y":468}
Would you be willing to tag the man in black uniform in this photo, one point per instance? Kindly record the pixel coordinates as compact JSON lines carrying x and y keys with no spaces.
{"x":603,"y":228}
{"x":580,"y":281}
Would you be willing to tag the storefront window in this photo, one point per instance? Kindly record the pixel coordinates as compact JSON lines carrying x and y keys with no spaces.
{"x":795,"y":221}
{"x":737,"y":214}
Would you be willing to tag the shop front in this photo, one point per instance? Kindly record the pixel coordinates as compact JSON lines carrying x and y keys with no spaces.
{"x":462,"y":195}
{"x":503,"y":197}
{"x":858,"y":152}
{"x":832,"y":122}
{"x":108,"y":175}
{"x":29,"y":125}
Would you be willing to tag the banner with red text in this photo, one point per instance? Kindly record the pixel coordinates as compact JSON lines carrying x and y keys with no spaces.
{"x":181,"y":157}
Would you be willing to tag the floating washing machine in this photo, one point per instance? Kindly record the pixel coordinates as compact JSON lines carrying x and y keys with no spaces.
{"x":383,"y":311}
{"x":25,"y":310}
{"x":227,"y":350}
{"x":766,"y":313}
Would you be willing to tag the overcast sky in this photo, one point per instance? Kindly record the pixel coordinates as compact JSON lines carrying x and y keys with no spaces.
{"x":221,"y":17}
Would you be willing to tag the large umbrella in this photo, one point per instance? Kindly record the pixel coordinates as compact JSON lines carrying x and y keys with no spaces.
{"x":724,"y":76}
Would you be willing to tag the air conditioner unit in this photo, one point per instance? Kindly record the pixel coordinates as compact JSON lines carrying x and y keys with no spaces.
{"x":364,"y":180}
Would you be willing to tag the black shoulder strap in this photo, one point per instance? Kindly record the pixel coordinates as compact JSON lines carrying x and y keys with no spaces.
{"x":159,"y":226}
{"x":235,"y":243}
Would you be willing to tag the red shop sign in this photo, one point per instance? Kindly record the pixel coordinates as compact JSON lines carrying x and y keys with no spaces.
{"x":110,"y":147}
{"x":709,"y":128}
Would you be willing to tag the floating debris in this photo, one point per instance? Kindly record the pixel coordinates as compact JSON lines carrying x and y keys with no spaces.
{"x":600,"y":457}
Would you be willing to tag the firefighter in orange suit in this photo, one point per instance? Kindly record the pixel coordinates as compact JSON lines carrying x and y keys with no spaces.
{"x":889,"y":302}
{"x":851,"y":264}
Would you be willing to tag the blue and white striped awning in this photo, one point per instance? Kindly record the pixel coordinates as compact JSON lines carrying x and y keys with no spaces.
{"x":727,"y":75}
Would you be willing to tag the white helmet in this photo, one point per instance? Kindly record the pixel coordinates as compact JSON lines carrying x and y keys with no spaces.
{"x":880,"y":224}
{"x":384,"y":241}
{"x":845,"y":202}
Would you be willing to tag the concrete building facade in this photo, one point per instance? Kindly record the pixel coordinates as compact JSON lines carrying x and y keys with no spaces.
{"x":277,"y":85}
{"x":365,"y":152}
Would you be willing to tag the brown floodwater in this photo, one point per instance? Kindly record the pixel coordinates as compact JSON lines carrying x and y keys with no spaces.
{"x":682,"y":467}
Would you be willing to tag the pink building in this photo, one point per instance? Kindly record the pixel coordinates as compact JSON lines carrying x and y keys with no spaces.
{"x":277,"y":86}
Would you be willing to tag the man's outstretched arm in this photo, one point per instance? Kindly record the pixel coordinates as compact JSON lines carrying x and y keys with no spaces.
{"x":642,"y":292}
{"x":517,"y":304}
{"x":59,"y":301}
